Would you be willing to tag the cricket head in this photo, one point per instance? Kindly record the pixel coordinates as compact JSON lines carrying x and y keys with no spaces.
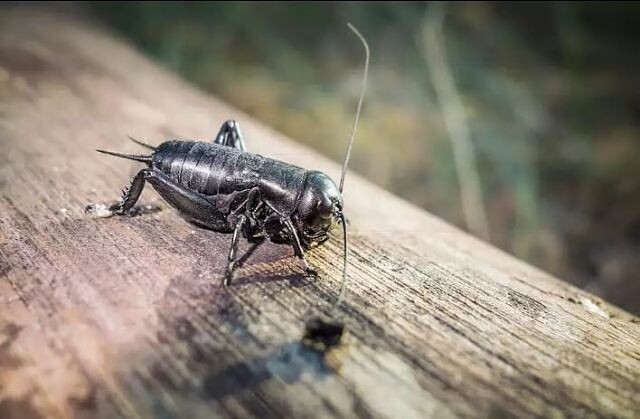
{"x":319,"y":208}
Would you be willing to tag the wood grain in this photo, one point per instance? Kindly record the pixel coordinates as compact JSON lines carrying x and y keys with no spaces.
{"x":126,"y":317}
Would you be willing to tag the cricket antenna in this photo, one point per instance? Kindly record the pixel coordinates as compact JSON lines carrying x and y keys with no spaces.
{"x":355,"y":123}
{"x":346,"y":162}
{"x":343,"y":286}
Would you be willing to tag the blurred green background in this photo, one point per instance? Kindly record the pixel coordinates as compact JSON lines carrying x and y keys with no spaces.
{"x":515,"y":121}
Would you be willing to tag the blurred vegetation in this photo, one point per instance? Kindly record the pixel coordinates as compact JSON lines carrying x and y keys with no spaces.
{"x":549,"y":92}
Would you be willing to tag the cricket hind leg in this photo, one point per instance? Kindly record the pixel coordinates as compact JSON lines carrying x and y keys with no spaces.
{"x":131,"y":194}
{"x":126,"y":205}
{"x":193,"y":206}
{"x":230,"y":136}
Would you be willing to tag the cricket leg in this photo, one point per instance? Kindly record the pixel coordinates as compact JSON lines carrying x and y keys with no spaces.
{"x":131,"y":194}
{"x":230,"y":135}
{"x":233,"y":250}
{"x":297,"y":247}
{"x":192,"y":205}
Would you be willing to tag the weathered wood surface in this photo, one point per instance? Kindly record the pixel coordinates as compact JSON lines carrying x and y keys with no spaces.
{"x":126,"y":316}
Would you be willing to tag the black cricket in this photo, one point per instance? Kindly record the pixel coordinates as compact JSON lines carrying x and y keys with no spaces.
{"x":222,"y":187}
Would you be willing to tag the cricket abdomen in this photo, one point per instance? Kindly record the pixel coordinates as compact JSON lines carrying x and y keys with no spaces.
{"x":205,"y":168}
{"x":211,"y":170}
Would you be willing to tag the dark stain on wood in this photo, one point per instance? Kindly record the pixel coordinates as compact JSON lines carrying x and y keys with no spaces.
{"x":287,"y":363}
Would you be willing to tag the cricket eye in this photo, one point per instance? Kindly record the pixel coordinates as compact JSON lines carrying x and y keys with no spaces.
{"x":325,"y":207}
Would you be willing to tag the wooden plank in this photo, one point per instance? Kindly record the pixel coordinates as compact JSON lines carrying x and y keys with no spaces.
{"x":126,"y":316}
